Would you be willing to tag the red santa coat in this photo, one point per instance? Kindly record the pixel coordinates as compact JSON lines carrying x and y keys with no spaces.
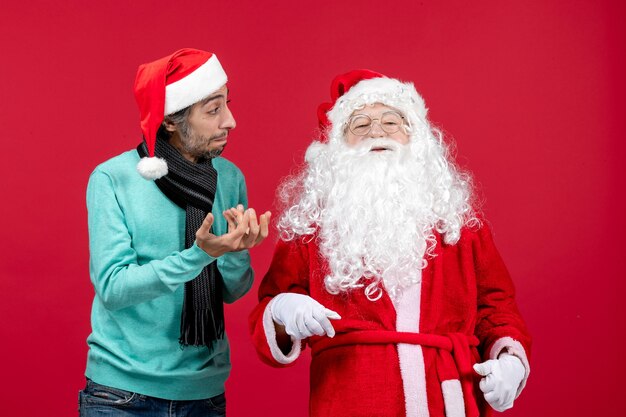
{"x":408,"y":358}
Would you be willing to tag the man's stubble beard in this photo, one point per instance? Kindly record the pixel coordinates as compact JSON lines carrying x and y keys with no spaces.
{"x":195,"y":144}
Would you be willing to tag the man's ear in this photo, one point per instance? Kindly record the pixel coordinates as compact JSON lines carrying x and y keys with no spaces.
{"x":169,"y":125}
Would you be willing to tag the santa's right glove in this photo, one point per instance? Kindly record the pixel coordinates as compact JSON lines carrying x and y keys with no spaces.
{"x":501,"y":381}
{"x":302,"y":316}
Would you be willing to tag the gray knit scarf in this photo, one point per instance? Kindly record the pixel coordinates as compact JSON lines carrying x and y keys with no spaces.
{"x":192,"y":187}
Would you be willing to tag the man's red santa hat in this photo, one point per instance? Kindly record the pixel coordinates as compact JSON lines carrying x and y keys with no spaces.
{"x":168,"y":85}
{"x":358,"y":88}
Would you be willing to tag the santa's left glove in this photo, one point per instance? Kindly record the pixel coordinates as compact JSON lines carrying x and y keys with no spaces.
{"x":502,"y":378}
{"x":302,"y":316}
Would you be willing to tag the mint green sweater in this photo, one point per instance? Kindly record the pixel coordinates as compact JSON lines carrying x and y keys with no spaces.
{"x":138,"y":266}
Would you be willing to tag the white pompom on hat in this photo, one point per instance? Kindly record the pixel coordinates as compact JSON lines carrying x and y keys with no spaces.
{"x":168,"y":85}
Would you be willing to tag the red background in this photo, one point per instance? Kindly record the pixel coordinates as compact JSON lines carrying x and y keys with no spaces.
{"x":532,"y":92}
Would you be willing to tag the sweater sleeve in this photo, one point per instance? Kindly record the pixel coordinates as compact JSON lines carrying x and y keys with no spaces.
{"x":289,"y":272}
{"x":237,"y":274}
{"x":119,"y":280}
{"x":499,"y":326}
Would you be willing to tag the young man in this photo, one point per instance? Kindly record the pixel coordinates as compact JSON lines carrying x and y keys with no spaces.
{"x":385,"y":270}
{"x":168,"y":237}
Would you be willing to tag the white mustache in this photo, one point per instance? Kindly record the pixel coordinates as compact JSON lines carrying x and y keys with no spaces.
{"x":381,"y":143}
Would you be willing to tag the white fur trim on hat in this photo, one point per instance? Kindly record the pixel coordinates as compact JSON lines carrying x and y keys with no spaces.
{"x":198,"y":85}
{"x":152,"y":168}
{"x":387,"y":91}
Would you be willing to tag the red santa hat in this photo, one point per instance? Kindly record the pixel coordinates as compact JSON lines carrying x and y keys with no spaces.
{"x":168,"y":85}
{"x":355,"y":89}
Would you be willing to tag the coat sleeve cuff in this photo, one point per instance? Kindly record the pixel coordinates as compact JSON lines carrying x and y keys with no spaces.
{"x":515,"y":348}
{"x":270,"y":336}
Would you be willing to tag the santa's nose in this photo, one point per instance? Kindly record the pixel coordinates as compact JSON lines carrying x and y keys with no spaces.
{"x":376,"y":130}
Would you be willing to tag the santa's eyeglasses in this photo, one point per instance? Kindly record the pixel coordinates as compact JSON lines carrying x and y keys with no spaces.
{"x":361,"y":124}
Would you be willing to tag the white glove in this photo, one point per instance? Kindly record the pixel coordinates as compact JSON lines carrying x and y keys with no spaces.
{"x":501,"y":380}
{"x":302,"y":316}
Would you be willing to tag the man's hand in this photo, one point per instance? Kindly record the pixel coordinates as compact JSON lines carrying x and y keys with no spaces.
{"x":244,"y":232}
{"x":256,"y":231}
{"x":501,"y":380}
{"x":302,"y":316}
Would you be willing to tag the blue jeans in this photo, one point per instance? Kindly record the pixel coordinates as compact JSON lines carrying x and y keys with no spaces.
{"x":100,"y":400}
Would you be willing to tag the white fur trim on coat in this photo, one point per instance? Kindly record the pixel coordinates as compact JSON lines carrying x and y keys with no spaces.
{"x":515,"y":348}
{"x":270,"y":336}
{"x":411,"y":357}
{"x":453,"y":398}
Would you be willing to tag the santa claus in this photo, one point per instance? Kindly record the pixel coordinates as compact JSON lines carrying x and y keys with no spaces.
{"x":385,"y":269}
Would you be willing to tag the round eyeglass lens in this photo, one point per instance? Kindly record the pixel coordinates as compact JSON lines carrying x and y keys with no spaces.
{"x":391,"y":122}
{"x":361,"y":124}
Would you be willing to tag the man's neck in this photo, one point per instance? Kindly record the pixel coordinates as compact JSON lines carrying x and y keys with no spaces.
{"x":176,"y":142}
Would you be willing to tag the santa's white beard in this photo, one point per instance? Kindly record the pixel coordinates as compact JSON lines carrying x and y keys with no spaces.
{"x":375,"y":212}
{"x":375,"y":220}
